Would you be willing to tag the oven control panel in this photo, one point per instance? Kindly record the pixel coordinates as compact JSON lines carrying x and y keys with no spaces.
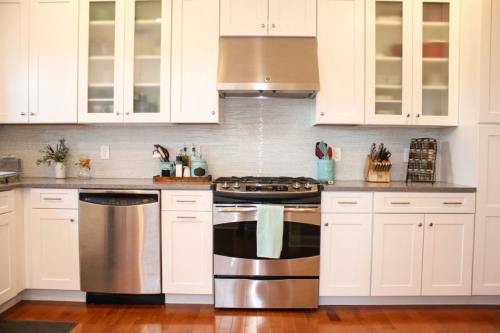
{"x":267,"y":188}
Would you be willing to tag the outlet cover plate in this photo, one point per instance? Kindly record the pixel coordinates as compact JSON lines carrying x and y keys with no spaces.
{"x":104,"y":152}
{"x":337,"y":154}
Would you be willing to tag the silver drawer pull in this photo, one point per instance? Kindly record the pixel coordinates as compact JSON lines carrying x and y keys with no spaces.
{"x":400,"y":203}
{"x":52,"y":199}
{"x":186,"y":217}
{"x":186,"y":200}
{"x":348,"y":202}
{"x":452,"y":203}
{"x":254,"y":209}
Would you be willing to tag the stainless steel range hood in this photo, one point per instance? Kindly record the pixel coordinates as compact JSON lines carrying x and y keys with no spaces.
{"x":268,"y":67}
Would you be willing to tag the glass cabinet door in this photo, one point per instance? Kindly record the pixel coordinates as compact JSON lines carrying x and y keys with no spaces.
{"x":389,"y":57}
{"x":147,"y":60}
{"x":436,"y":62}
{"x":101,"y":70}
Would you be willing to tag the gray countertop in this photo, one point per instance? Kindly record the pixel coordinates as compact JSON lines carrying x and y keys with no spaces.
{"x":147,"y":184}
{"x":359,"y":185}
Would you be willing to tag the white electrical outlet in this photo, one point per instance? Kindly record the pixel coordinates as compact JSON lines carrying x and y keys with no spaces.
{"x":104,"y":152}
{"x":337,"y":154}
{"x":406,"y":155}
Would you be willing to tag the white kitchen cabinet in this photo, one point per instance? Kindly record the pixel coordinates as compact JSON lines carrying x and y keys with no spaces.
{"x":195,"y":48}
{"x":124,"y":61}
{"x":268,"y":18}
{"x":14,"y":45}
{"x":422,"y":254}
{"x":345,"y":254}
{"x":412,"y":62}
{"x":489,"y":107}
{"x":186,"y":234}
{"x":341,"y":56}
{"x":54,"y":249}
{"x":487,"y":246}
{"x":53,"y":63}
{"x":447,"y":256}
{"x":7,"y":257}
{"x":397,"y":254}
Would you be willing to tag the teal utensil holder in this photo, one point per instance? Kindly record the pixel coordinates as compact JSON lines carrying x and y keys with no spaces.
{"x":170,"y":166}
{"x":326,"y":170}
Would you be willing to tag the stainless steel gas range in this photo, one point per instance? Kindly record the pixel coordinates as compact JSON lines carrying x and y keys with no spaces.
{"x":243,"y":280}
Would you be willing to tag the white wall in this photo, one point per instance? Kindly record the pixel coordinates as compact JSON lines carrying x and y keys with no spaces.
{"x":255,"y":137}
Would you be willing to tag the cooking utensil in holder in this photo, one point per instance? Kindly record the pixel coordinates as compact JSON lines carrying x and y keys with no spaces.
{"x":377,"y":172}
{"x":422,"y":161}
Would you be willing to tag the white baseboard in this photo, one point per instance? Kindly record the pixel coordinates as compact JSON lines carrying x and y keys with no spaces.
{"x":409,"y":300}
{"x":189,"y":299}
{"x":11,"y":302}
{"x":53,"y":295}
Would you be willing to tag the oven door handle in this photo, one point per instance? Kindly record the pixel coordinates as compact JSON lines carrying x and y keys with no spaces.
{"x":254,"y":209}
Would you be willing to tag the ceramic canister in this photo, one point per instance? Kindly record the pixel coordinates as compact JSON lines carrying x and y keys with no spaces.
{"x":325,"y":170}
{"x":169,"y":166}
{"x":199,"y":167}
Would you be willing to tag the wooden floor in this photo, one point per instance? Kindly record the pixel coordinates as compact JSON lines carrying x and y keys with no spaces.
{"x":204,"y":318}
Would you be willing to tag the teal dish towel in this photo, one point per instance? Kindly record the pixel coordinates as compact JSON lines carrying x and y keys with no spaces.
{"x":269,"y":231}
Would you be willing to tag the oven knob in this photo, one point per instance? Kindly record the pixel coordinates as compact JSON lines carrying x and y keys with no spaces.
{"x":296,"y":185}
{"x":236,"y":185}
{"x":308,"y":186}
{"x":225,"y":186}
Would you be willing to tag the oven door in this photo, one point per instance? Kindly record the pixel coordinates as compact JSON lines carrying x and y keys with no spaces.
{"x":235,"y":242}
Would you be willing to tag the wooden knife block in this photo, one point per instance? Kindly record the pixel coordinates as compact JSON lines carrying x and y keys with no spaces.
{"x":373,"y":176}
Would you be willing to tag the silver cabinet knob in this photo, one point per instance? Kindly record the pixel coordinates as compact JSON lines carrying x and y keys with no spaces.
{"x":420,"y":224}
{"x":127,"y":113}
{"x":431,"y":224}
{"x":22,"y":113}
{"x":273,"y":25}
{"x":418,"y":115}
{"x":213,"y":112}
{"x":72,"y":220}
{"x":326,"y":224}
{"x":263,"y":25}
{"x":32,"y":113}
{"x":117,"y":113}
{"x":322,"y":113}
{"x":408,"y":115}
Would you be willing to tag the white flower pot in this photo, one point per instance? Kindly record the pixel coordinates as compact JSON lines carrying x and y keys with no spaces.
{"x":60,"y":170}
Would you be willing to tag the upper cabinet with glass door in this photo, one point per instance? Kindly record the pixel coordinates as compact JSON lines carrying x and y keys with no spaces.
{"x":412,"y":62}
{"x":124,"y":61}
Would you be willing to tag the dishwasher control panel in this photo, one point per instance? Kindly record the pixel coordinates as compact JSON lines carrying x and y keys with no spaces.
{"x":112,"y":199}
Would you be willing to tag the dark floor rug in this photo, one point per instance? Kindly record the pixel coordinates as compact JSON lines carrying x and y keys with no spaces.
{"x":25,"y":326}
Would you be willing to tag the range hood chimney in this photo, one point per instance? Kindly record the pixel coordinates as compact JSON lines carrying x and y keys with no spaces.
{"x":285,"y":67}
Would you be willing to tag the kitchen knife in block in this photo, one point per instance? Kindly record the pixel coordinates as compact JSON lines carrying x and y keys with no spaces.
{"x":375,"y":176}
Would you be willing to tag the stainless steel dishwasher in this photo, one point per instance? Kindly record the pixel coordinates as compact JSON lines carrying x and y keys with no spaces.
{"x":119,"y":236}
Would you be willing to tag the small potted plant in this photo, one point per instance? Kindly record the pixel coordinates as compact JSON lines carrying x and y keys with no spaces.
{"x":59,"y":156}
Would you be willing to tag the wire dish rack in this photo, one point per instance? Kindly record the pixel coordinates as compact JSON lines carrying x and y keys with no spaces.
{"x":422,"y":161}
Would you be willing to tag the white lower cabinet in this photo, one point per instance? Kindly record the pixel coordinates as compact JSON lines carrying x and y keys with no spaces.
{"x":54,"y":249}
{"x":7,"y":257}
{"x":345,"y":254}
{"x":186,"y":236}
{"x":422,"y":254}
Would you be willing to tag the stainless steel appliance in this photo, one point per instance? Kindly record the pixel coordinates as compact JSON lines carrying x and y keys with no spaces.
{"x":265,"y":67}
{"x":10,"y":166}
{"x":119,"y":234}
{"x":243,"y":280}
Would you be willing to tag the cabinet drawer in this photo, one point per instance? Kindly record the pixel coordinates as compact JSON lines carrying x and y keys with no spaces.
{"x":6,"y":202}
{"x":54,"y":198}
{"x":186,"y":200}
{"x":346,"y":202}
{"x":398,"y":202}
